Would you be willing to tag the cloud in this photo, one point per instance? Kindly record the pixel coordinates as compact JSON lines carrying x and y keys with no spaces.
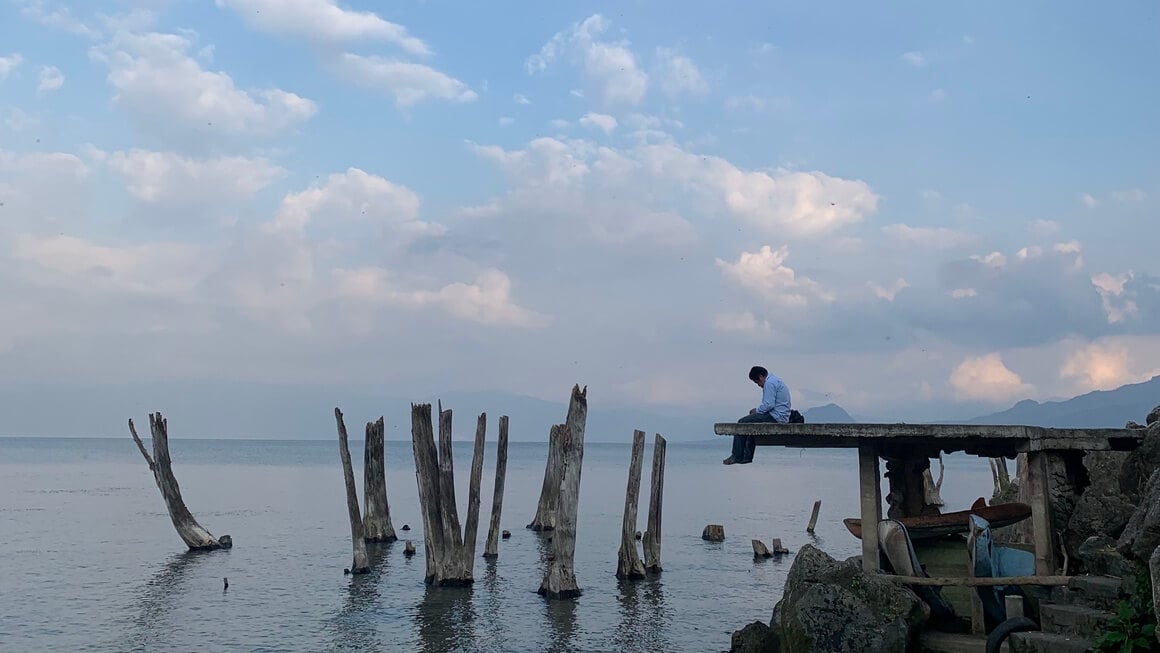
{"x":323,"y":21}
{"x":159,"y":82}
{"x":1104,"y":366}
{"x":1117,"y":304}
{"x":678,"y":74}
{"x":59,"y":18}
{"x":914,"y":58}
{"x":745,"y":103}
{"x":520,"y":98}
{"x":504,"y":121}
{"x":171,"y":178}
{"x":601,"y":121}
{"x":888,"y":293}
{"x":744,"y":322}
{"x":1044,"y":227}
{"x":355,"y":196}
{"x":938,"y":95}
{"x":50,"y":79}
{"x":409,"y":83}
{"x":609,"y":66}
{"x":1129,"y":195}
{"x":1088,"y":200}
{"x":9,"y":63}
{"x":931,"y":237}
{"x":17,"y":120}
{"x":987,"y":378}
{"x":963,"y":293}
{"x":765,"y":274}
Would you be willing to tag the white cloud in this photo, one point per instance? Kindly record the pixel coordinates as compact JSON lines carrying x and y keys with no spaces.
{"x":171,"y":178}
{"x":1044,"y":227}
{"x":610,"y":66}
{"x":914,"y":58}
{"x":520,"y":98}
{"x":987,"y":378}
{"x":157,"y":79}
{"x":1104,"y":366}
{"x":1088,"y":200}
{"x":601,"y":121}
{"x":50,"y":79}
{"x":938,"y":95}
{"x":559,"y":123}
{"x":17,"y":119}
{"x":59,"y":18}
{"x":994,"y":260}
{"x":963,"y":293}
{"x":678,"y":74}
{"x":9,"y":63}
{"x":745,"y":322}
{"x":504,"y":121}
{"x":410,"y":83}
{"x":745,"y":103}
{"x":323,"y":21}
{"x":888,"y":293}
{"x":764,"y":273}
{"x":933,"y":237}
{"x":1129,"y":195}
{"x":1117,"y":306}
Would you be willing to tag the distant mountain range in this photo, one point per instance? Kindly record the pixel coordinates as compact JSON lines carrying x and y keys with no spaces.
{"x":1101,"y":408}
{"x":827,"y":414}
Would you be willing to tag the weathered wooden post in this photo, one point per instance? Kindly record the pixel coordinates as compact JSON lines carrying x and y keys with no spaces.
{"x":449,"y":553}
{"x":931,"y":489}
{"x":545,"y":519}
{"x":652,"y":536}
{"x":377,"y":522}
{"x":628,"y":563}
{"x":196,"y":537}
{"x":491,"y":550}
{"x":361,"y":563}
{"x":560,"y":579}
{"x":814,"y":516}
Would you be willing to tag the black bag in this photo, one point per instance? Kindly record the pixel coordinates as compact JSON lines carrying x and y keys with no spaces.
{"x":796,"y":417}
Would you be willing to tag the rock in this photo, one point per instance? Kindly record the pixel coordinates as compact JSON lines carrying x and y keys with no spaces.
{"x":406,"y":527}
{"x":1154,"y":572}
{"x":832,"y":606}
{"x":1133,"y":425}
{"x":759,"y":550}
{"x":1098,"y":556}
{"x":506,"y":535}
{"x":1142,"y":533}
{"x":754,"y":638}
{"x":226,"y":542}
{"x":409,"y":549}
{"x":1139,"y":464}
{"x":1153,"y":416}
{"x":713,"y":533}
{"x":1097,"y":514}
{"x":639,"y":535}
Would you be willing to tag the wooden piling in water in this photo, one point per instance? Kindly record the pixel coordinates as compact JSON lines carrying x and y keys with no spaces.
{"x":195,"y":536}
{"x":560,"y":578}
{"x":628,"y":562}
{"x":471,"y":528}
{"x":814,"y":516}
{"x":377,"y":525}
{"x":491,"y":550}
{"x":652,"y":536}
{"x":546,"y":509}
{"x":360,"y":564}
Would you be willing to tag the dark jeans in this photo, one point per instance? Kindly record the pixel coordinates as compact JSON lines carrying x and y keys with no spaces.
{"x":744,"y":445}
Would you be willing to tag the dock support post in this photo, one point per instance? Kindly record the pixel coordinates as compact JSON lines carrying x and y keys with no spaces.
{"x":869,"y":478}
{"x":1040,"y":499}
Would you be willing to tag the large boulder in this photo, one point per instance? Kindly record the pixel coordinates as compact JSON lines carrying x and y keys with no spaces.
{"x":754,"y":638}
{"x":1139,"y":465}
{"x":832,"y":607}
{"x":1097,"y":514}
{"x":1153,"y":416}
{"x":1142,"y":534}
{"x":1098,"y":555}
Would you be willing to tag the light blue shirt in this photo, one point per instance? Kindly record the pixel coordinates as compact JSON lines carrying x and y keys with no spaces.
{"x":775,"y":399}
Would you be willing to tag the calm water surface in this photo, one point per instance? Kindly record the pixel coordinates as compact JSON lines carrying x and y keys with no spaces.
{"x":90,"y":562}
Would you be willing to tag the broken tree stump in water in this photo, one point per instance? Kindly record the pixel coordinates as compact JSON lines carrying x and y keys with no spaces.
{"x":560,"y":579}
{"x":491,"y":550}
{"x":377,"y":521}
{"x":196,"y":537}
{"x":628,"y":563}
{"x":713,"y":533}
{"x":547,"y":508}
{"x":361,"y":563}
{"x":759,"y":550}
{"x":814,"y":516}
{"x":450,"y":555}
{"x":652,"y":536}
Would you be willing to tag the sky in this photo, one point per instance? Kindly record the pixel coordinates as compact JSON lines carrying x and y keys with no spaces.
{"x":928,"y":212}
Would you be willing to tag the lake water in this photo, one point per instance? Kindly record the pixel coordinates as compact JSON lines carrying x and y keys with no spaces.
{"x":89,"y":560}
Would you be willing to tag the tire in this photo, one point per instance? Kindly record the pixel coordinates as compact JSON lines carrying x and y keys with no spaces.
{"x":1002,"y":631}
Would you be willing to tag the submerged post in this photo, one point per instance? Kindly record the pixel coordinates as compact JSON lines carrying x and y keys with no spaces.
{"x":491,"y":550}
{"x":652,"y":537}
{"x":560,"y":579}
{"x":377,"y":521}
{"x":361,"y":563}
{"x":628,"y":563}
{"x":196,"y":537}
{"x":545,"y":519}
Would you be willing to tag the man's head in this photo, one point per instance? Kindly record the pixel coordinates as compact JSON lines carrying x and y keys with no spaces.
{"x":757,"y":374}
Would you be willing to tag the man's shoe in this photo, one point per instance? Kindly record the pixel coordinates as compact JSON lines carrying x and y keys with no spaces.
{"x":729,"y":461}
{"x":744,"y":462}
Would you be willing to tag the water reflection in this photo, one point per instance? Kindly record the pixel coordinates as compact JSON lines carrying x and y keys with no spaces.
{"x":355,"y":626}
{"x":446,"y":620}
{"x":561,"y":621}
{"x":162,"y":592}
{"x":644,"y":620}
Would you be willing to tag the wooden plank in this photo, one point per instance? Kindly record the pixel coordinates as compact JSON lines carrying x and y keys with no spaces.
{"x":1043,"y":581}
{"x":1041,"y":527}
{"x":870,"y":489}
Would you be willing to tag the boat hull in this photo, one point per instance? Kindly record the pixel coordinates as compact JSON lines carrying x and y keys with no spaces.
{"x":952,"y":523}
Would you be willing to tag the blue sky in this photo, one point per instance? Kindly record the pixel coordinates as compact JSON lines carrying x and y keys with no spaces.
{"x":925,"y":212}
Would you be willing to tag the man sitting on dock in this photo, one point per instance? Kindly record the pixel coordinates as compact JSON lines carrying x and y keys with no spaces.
{"x":774,"y":407}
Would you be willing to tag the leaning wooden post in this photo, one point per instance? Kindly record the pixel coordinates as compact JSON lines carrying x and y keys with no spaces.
{"x":492,"y":548}
{"x":560,"y":579}
{"x":652,"y":537}
{"x":467,"y":558}
{"x":377,"y":522}
{"x":814,"y":516}
{"x":427,"y":478}
{"x":628,"y":564}
{"x":448,"y":510}
{"x":196,"y":537}
{"x":361,"y":563}
{"x":546,"y":509}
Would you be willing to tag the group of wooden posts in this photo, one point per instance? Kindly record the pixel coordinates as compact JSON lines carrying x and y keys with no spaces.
{"x":449,"y":550}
